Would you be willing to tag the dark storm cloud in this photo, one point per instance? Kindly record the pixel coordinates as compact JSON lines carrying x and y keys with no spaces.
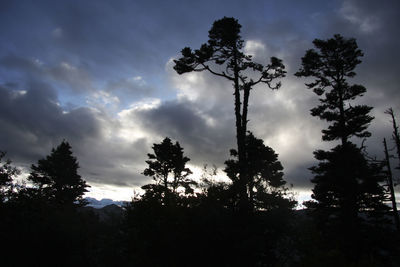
{"x":136,"y":36}
{"x":13,"y":62}
{"x":32,"y":121}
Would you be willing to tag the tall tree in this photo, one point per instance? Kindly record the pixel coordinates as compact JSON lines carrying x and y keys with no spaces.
{"x":167,"y":167}
{"x":331,"y":65}
{"x":56,"y":177}
{"x":223,"y":56}
{"x":265,"y":187}
{"x":345,"y":182}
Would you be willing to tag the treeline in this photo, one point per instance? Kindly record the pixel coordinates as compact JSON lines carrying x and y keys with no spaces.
{"x":248,"y":221}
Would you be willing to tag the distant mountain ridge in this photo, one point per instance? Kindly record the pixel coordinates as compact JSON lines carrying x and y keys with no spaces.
{"x":98,"y":204}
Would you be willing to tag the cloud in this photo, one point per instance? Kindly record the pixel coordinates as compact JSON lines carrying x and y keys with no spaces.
{"x":204,"y":138}
{"x":129,"y":89}
{"x":254,"y":48}
{"x":57,"y":32}
{"x":39,"y":121}
{"x":76,"y":78}
{"x":367,"y":23}
{"x":64,"y":74}
{"x":18,"y":63}
{"x":103,"y":100}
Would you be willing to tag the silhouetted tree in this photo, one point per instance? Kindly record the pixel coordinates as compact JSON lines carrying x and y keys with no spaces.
{"x":331,"y":66}
{"x":56,"y":177}
{"x":43,"y":220}
{"x":265,"y":187}
{"x":345,"y":182}
{"x":158,"y":223}
{"x":7,"y":173}
{"x":223,"y":56}
{"x":167,"y":167}
{"x":392,"y":182}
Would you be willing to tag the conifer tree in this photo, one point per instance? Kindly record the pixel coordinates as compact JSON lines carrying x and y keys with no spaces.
{"x":223,"y":56}
{"x":345,"y":182}
{"x":167,"y":167}
{"x":331,"y":66}
{"x":56,"y":177}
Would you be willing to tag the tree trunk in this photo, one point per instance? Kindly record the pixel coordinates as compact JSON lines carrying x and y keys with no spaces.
{"x":396,"y":136}
{"x":391,"y":187}
{"x":240,"y":140}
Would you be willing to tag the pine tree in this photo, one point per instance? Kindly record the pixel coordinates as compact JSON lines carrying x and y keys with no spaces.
{"x":56,"y":178}
{"x":222,"y":56}
{"x":331,"y":66}
{"x":345,"y":182}
{"x":167,"y":167}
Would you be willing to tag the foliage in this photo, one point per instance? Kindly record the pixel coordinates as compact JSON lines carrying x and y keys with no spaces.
{"x":265,"y":185}
{"x":7,"y":172}
{"x":167,"y":167}
{"x":223,"y":56}
{"x":347,"y":185}
{"x":215,"y":194}
{"x":331,"y":65}
{"x":56,"y":177}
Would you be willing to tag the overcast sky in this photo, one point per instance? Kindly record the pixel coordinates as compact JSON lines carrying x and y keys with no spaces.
{"x":99,"y":75}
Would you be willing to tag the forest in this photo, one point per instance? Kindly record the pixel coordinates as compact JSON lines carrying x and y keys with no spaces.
{"x":250,"y":220}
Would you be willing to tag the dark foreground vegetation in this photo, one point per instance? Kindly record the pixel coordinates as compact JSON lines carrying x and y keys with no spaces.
{"x":249,"y":221}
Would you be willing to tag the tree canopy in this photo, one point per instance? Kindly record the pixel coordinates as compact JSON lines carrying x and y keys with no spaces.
{"x":7,"y":173}
{"x":223,"y":56}
{"x":331,"y":65}
{"x":167,"y":167}
{"x":346,"y":183}
{"x":56,"y":177}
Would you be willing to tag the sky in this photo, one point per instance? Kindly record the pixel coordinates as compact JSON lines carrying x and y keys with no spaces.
{"x":99,"y":74}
